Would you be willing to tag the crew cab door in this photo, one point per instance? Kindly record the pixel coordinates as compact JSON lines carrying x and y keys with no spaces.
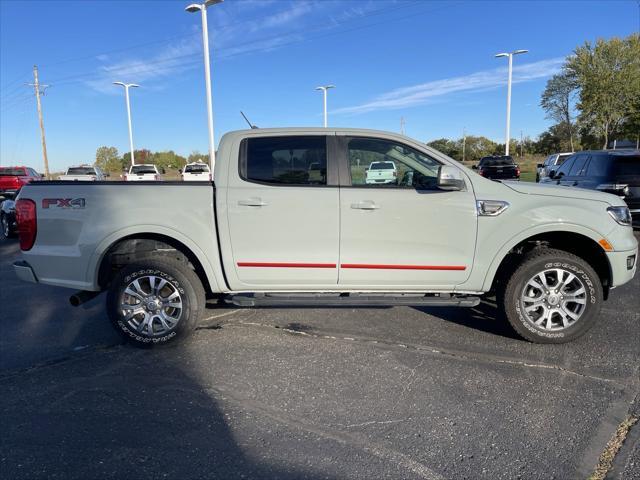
{"x":282,"y":214}
{"x":405,"y":234}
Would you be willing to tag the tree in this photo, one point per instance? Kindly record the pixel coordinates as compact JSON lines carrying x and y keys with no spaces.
{"x":608,"y":77}
{"x":195,"y":157}
{"x":449,"y":147}
{"x":140,"y":156}
{"x":557,"y":101}
{"x":168,"y":159}
{"x":108,"y":159}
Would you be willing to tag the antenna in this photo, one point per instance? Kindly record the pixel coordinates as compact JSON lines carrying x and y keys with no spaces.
{"x":247,"y":120}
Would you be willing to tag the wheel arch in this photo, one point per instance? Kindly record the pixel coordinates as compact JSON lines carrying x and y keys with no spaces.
{"x":135,"y":243}
{"x":578,"y":240}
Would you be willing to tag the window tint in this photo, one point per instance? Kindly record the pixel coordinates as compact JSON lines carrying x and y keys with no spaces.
{"x":286,"y":160}
{"x":200,"y":168}
{"x":33,"y":173}
{"x":382,"y":163}
{"x":599,"y":165}
{"x":626,"y":165}
{"x":496,"y":161}
{"x":12,"y":172}
{"x":81,"y":171}
{"x":565,"y":167}
{"x":562,"y":158}
{"x":142,"y":169}
{"x":579,"y":166}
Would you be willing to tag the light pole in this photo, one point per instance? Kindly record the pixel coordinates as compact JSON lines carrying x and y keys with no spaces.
{"x":324,"y":102}
{"x":510,"y":55}
{"x":126,"y":96}
{"x":202,"y":7}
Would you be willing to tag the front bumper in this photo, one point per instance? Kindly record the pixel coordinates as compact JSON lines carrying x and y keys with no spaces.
{"x":24,"y":271}
{"x":620,"y":271}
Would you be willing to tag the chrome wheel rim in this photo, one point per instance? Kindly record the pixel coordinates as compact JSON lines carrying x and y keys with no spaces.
{"x":151,"y":306}
{"x":554,"y":299}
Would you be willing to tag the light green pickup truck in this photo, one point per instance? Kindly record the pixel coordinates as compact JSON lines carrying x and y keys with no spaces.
{"x":290,"y":219}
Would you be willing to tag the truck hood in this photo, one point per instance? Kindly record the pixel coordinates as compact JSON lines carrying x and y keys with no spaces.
{"x":551,"y":190}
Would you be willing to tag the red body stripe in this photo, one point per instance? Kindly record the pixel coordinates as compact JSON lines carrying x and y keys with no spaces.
{"x":402,"y":267}
{"x":286,"y":265}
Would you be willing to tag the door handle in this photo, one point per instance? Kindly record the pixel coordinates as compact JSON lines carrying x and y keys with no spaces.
{"x":365,"y":205}
{"x":252,"y":202}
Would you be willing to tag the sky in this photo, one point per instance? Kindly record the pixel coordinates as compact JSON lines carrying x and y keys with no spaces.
{"x":429,"y":62}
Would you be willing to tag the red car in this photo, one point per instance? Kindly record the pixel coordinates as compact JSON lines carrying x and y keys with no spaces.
{"x":12,"y":179}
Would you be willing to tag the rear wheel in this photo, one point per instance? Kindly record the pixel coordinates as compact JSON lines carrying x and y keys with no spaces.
{"x":155,"y":301}
{"x":552,"y":297}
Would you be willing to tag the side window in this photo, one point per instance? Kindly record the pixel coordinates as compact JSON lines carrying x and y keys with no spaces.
{"x":598,"y":166}
{"x":32,"y":173}
{"x":579,"y":166}
{"x":565,"y":167}
{"x":383,"y":163}
{"x":295,"y":160}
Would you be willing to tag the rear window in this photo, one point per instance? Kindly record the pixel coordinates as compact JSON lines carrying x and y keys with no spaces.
{"x":81,"y":171}
{"x":626,"y":165}
{"x":496,"y":162}
{"x":196,"y":168}
{"x":142,"y":169}
{"x":382,"y":166}
{"x":12,"y":172}
{"x":295,"y":160}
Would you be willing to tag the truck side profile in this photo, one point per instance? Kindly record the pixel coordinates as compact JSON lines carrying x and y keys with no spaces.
{"x":291,"y":219}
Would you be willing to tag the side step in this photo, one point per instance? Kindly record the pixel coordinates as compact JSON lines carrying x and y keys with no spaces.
{"x":350,"y":300}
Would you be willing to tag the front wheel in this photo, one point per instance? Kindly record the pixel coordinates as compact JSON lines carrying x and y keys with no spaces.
{"x":553,"y":297}
{"x":155,"y":301}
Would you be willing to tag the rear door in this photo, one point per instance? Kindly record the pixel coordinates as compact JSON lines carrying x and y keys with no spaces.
{"x":282,"y":214}
{"x":404,"y":234}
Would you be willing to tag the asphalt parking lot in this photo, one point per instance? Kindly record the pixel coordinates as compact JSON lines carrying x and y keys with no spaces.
{"x":311,"y":393}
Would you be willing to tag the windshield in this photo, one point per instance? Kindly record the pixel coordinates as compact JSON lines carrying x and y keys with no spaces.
{"x":141,"y":169}
{"x":81,"y":171}
{"x":496,"y":161}
{"x":196,"y":169}
{"x":382,"y":166}
{"x":12,"y":172}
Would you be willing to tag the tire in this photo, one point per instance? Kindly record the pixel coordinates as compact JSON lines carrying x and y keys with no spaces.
{"x":5,"y":228}
{"x":537,"y":178}
{"x":164,"y":317}
{"x":552,"y":317}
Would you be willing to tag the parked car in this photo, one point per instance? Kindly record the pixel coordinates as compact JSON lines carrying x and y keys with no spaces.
{"x":84,"y":173}
{"x":12,"y":179}
{"x":611,"y":171}
{"x":498,"y":167}
{"x":140,"y":173}
{"x":381,"y":172}
{"x":196,"y":172}
{"x":551,"y":164}
{"x":265,"y":234}
{"x":8,"y":225}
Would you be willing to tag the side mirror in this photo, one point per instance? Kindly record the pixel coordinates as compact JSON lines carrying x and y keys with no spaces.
{"x":450,"y":178}
{"x":179,"y":170}
{"x":474,"y":167}
{"x":541,"y":165}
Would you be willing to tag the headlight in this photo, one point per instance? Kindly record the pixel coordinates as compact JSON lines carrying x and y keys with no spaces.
{"x":622,"y":215}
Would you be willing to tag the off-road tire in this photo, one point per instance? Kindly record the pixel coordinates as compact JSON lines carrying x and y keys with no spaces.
{"x":538,"y":260}
{"x":181,"y":277}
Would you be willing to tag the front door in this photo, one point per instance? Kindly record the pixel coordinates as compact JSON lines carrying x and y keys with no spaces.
{"x":282,"y":215}
{"x":404,"y":232}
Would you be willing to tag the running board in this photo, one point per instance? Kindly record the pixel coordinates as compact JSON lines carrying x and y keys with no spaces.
{"x":350,"y":299}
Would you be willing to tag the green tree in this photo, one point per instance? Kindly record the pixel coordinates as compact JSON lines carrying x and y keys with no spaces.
{"x":141,"y":156}
{"x":449,"y":147}
{"x":108,"y":159}
{"x":557,"y":100}
{"x":608,"y":77}
{"x":196,"y":156}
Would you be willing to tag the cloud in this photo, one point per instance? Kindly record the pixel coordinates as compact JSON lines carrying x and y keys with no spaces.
{"x":475,"y":82}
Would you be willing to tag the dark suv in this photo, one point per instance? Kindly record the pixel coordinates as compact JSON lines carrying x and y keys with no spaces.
{"x":612,"y":171}
{"x":498,"y":167}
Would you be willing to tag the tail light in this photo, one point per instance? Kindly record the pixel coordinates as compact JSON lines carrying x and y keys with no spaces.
{"x":27,"y":223}
{"x":480,"y":172}
{"x":517,"y":171}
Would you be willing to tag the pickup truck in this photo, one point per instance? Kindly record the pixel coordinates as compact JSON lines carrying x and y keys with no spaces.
{"x":142,"y":173}
{"x":83,"y":173}
{"x":382,"y":172}
{"x":266,"y":232}
{"x":498,"y":167}
{"x":196,"y":172}
{"x":12,"y":179}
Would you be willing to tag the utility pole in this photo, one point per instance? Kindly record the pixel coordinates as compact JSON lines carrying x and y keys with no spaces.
{"x":36,"y":85}
{"x":464,"y":143}
{"x":401,"y":125}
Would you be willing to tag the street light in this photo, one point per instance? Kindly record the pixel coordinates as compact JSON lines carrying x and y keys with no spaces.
{"x":126,"y":96}
{"x":324,"y":95}
{"x":510,"y":55}
{"x":202,"y":7}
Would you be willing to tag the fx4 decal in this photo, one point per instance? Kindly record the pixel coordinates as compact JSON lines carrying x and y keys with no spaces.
{"x":74,"y":203}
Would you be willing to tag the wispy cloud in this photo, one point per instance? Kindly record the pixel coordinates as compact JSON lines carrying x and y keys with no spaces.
{"x":474,"y":82}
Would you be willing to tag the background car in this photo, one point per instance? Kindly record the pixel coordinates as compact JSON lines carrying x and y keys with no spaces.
{"x":8,"y":224}
{"x":12,"y":179}
{"x":84,"y":173}
{"x":611,"y":171}
{"x":140,"y":173}
{"x":196,"y":172}
{"x":381,"y":172}
{"x":551,"y":163}
{"x":498,"y":167}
